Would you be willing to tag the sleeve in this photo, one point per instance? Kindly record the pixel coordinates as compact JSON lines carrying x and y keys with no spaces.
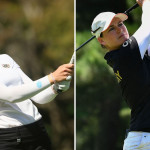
{"x":142,"y":35}
{"x":22,"y":92}
{"x":44,"y":96}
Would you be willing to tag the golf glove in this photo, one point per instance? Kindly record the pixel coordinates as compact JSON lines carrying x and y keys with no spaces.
{"x":62,"y":86}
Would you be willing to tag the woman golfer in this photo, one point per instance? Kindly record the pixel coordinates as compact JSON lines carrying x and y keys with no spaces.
{"x":21,"y":126}
{"x":130,"y":59}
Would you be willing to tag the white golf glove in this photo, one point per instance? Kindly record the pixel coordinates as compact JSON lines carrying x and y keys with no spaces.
{"x":63,"y":85}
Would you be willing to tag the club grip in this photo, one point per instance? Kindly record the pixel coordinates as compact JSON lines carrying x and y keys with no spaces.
{"x":72,"y":59}
{"x":71,"y":62}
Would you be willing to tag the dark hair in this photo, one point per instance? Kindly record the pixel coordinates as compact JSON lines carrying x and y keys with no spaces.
{"x":101,"y":35}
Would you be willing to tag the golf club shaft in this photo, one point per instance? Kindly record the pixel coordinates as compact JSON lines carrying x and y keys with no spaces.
{"x":131,"y":8}
{"x":126,"y":12}
{"x":85,"y":42}
{"x":72,"y":58}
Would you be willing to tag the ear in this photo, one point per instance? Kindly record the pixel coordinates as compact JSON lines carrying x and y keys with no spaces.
{"x":101,"y":41}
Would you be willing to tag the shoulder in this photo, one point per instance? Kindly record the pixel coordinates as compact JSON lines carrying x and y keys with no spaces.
{"x":5,"y":56}
{"x":6,"y":59}
{"x":130,"y":49}
{"x":130,"y":43}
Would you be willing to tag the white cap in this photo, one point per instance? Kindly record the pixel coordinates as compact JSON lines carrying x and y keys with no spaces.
{"x":103,"y":20}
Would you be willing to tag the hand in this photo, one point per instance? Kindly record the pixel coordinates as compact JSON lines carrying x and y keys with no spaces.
{"x":140,"y":2}
{"x":61,"y":73}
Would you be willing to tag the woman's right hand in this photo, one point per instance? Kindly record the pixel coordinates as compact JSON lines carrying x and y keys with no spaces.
{"x":61,"y":73}
{"x":140,"y":2}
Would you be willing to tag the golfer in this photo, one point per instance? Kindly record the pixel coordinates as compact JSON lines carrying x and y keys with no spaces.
{"x":21,"y":125}
{"x":130,"y":59}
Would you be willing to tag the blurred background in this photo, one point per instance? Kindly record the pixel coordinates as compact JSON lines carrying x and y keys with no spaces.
{"x":39,"y":36}
{"x":102,"y":115}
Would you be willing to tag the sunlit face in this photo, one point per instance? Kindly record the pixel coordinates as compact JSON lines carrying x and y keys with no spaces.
{"x":115,"y":35}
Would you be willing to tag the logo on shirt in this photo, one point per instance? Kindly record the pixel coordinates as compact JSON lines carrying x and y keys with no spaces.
{"x":126,"y":43}
{"x":118,"y":76}
{"x":6,"y":65}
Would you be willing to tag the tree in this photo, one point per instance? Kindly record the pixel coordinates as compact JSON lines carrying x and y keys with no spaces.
{"x":38,"y":35}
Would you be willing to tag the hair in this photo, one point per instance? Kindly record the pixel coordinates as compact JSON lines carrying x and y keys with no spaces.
{"x":101,"y":35}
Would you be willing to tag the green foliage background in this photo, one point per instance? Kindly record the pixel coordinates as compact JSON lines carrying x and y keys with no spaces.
{"x":102,"y":114}
{"x":39,"y":36}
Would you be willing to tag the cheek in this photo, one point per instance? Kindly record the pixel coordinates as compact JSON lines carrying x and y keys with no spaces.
{"x":110,"y":41}
{"x":125,"y":30}
{"x":108,"y":36}
{"x":111,"y":38}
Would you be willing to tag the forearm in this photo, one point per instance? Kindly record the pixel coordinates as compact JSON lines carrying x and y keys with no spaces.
{"x":45,"y":96}
{"x":22,"y":92}
{"x":142,"y":35}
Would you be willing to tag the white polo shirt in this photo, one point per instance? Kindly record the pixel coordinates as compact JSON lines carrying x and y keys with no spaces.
{"x":17,"y":91}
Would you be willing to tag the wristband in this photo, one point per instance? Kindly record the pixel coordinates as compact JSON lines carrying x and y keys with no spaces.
{"x":56,"y":91}
{"x":53,"y":78}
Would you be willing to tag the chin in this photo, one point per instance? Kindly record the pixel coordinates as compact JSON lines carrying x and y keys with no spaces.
{"x":124,"y":39}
